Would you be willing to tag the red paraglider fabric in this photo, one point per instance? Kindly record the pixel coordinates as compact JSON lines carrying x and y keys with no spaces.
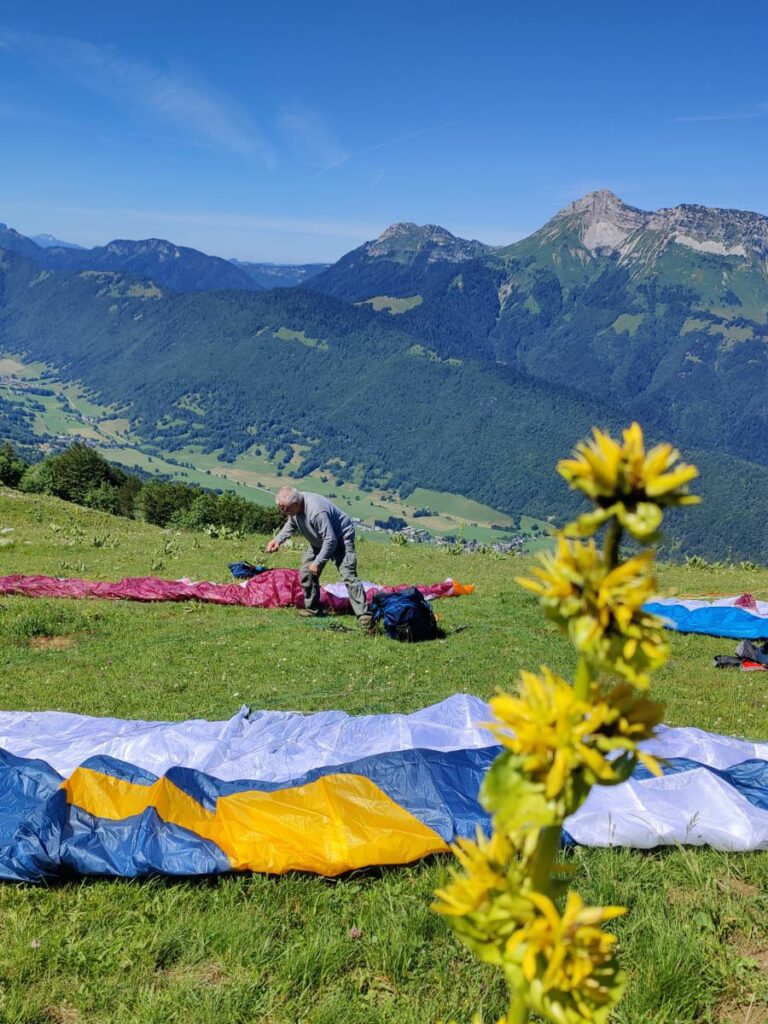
{"x":275,"y":588}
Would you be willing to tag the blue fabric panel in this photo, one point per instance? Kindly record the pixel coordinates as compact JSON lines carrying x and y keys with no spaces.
{"x":119,"y":770}
{"x":136,"y":847}
{"x":713,"y":621}
{"x":440,"y":788}
{"x":42,"y":836}
{"x":33,"y":810}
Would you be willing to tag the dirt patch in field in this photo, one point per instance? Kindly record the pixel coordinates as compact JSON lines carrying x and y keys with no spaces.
{"x":51,"y":643}
{"x":679,"y":897}
{"x":63,"y":1014}
{"x":742,"y":888}
{"x":744,"y":1013}
{"x":750,"y":1009}
{"x":209,"y":974}
{"x":757,"y":952}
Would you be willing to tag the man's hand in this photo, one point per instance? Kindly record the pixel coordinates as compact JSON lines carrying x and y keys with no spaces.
{"x":314,"y":568}
{"x":272,"y":547}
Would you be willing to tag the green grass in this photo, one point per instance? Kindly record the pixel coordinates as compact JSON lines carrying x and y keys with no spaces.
{"x":285,"y":334}
{"x":237,"y":950}
{"x":392,"y":304}
{"x":628,"y":322}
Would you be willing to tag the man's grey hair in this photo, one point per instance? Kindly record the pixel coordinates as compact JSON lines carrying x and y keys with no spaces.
{"x":287,"y":496}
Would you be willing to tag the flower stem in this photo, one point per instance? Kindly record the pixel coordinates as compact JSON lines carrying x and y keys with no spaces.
{"x":544,"y":858}
{"x":584,"y":677}
{"x":612,"y":538}
{"x":517,"y":1012}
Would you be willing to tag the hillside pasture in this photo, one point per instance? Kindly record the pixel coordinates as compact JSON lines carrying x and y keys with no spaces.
{"x":363,"y":949}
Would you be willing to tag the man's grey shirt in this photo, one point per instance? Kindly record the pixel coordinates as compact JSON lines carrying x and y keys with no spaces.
{"x":322,"y":524}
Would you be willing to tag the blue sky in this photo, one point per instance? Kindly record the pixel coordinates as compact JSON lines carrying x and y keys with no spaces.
{"x":294,"y":131}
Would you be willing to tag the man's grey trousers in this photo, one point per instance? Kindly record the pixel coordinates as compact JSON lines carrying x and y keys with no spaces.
{"x":345,"y":560}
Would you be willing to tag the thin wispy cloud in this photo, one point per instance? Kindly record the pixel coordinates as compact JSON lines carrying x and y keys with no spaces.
{"x":175,"y":99}
{"x":208,"y":219}
{"x":749,"y":114}
{"x":310,"y":136}
{"x":345,"y":158}
{"x":17,"y":112}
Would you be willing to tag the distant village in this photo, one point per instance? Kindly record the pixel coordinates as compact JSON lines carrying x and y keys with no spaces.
{"x":412,"y":535}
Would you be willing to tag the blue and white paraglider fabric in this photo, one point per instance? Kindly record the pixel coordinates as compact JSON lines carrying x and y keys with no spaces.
{"x":277,"y":791}
{"x":742,"y":617}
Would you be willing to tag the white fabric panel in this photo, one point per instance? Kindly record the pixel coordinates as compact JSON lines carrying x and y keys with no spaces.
{"x":706,"y":747}
{"x":272,"y":746}
{"x":693,"y":808}
{"x":340,"y":589}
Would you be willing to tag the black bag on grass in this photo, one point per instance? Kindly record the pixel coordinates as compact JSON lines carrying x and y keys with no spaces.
{"x":406,"y":615}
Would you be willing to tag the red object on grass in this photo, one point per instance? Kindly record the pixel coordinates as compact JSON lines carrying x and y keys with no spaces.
{"x":275,"y":588}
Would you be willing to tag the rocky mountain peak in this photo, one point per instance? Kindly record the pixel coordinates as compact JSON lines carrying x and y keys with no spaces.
{"x":407,"y":231}
{"x":397,"y":230}
{"x":47,"y":241}
{"x":4,"y":229}
{"x":125,"y":245}
{"x":603,"y":222}
{"x":405,"y":240}
{"x":598,"y":203}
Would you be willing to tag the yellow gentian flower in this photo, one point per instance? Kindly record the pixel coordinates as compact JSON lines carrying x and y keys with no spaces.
{"x":626,"y":482}
{"x":484,"y":903}
{"x":558,"y":736}
{"x":601,"y":609}
{"x":566,"y":961}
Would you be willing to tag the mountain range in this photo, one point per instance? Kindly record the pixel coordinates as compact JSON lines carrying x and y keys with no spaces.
{"x":425,"y":359}
{"x":50,"y":241}
{"x":175,"y":267}
{"x":170,"y":266}
{"x":281,"y":275}
{"x":664,"y":313}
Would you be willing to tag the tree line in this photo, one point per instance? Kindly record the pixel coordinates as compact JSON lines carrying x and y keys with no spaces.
{"x":80,"y":474}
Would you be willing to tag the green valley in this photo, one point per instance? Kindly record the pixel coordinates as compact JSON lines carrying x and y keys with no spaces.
{"x":422,"y":360}
{"x":66,"y":414}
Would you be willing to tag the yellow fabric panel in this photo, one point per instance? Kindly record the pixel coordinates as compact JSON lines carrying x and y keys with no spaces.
{"x":334,"y":824}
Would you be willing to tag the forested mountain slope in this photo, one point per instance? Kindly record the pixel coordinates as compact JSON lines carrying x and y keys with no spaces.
{"x":170,"y":266}
{"x":664,"y":314}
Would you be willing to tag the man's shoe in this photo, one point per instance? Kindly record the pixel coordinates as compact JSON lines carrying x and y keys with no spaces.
{"x":307,"y":613}
{"x":365,"y":622}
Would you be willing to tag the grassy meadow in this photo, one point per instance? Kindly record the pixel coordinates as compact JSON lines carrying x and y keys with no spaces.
{"x":363,"y":949}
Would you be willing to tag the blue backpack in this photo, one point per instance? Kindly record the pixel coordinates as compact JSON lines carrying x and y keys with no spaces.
{"x":244,"y":570}
{"x":406,"y":615}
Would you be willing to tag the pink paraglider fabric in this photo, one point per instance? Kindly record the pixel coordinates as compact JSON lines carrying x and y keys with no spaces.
{"x":274,"y":588}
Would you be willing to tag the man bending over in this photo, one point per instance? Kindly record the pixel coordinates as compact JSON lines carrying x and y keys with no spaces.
{"x":331,"y":537}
